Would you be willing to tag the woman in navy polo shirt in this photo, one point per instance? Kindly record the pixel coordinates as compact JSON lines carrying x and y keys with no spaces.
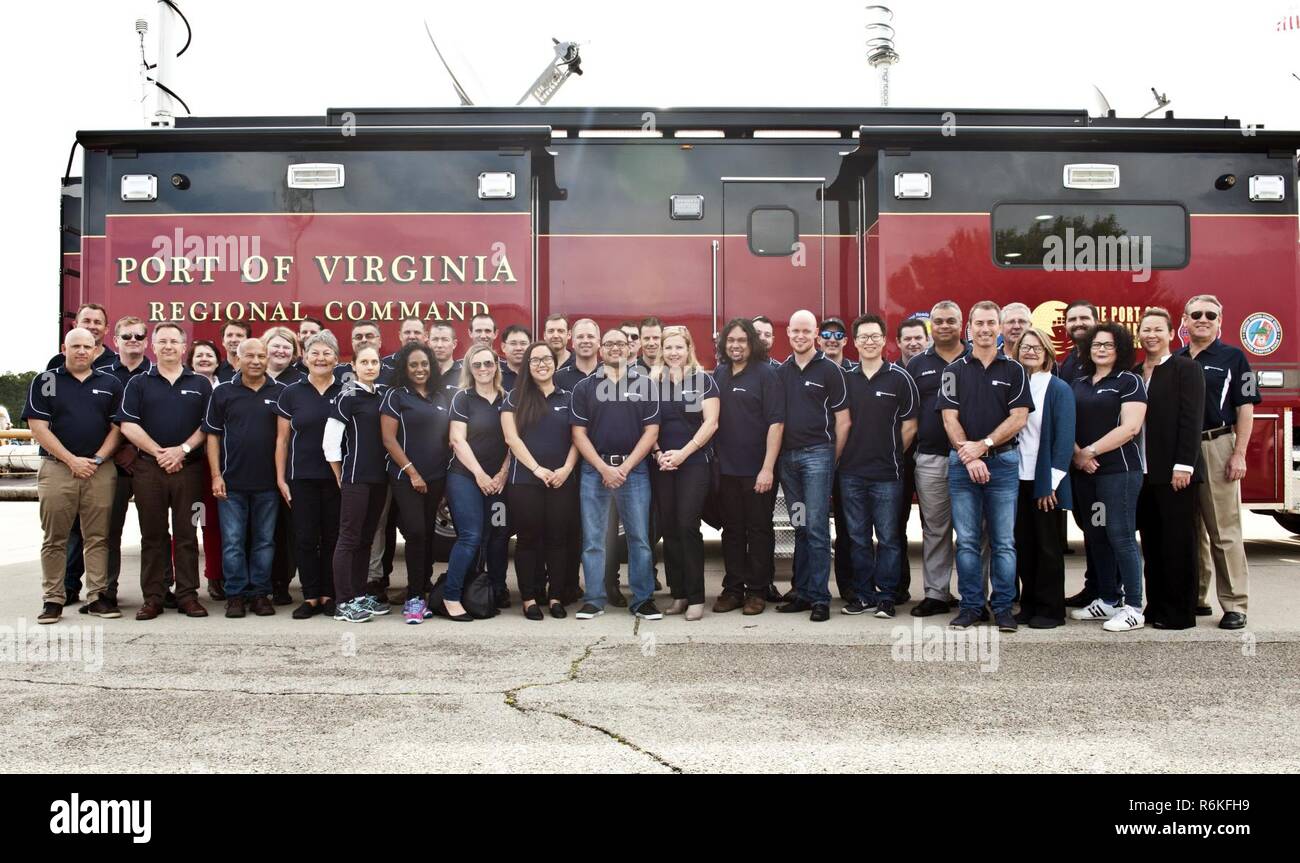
{"x":282,"y":355}
{"x":1110,"y":405}
{"x":542,"y":492}
{"x":355,"y":451}
{"x":414,"y":423}
{"x":307,"y":484}
{"x":689,"y":406}
{"x":476,"y":479}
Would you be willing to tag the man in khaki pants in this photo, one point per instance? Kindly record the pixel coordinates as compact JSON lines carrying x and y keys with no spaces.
{"x":1231,"y":394}
{"x":69,"y":410}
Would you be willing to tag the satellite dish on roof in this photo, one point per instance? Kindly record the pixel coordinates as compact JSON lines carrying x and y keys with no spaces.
{"x":458,"y":70}
{"x":1100,"y":104}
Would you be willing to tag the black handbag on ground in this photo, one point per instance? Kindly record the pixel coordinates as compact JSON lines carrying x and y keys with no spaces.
{"x":476,"y":596}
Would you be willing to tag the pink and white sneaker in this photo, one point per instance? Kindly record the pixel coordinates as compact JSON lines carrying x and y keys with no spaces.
{"x":413,"y":611}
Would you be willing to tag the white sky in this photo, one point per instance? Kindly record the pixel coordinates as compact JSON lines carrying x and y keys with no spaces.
{"x":79,"y":61}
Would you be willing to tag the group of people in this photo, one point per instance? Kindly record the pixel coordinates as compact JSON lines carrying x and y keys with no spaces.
{"x":294,"y":460}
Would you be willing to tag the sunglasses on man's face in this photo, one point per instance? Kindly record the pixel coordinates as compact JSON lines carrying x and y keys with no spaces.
{"x":832,"y":336}
{"x":1209,"y":316}
{"x":131,"y":337}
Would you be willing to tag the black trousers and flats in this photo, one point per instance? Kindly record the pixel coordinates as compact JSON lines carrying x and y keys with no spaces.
{"x":1167,"y":521}
{"x":416,"y":516}
{"x":544,"y":520}
{"x":1040,"y":557}
{"x":679,"y":500}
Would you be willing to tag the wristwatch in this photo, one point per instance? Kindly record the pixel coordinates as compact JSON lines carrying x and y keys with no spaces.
{"x":988,"y":442}
{"x":98,"y":460}
{"x":186,"y":448}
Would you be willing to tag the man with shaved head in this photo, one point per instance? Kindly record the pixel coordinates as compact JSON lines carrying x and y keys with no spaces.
{"x":70,"y":411}
{"x":816,"y":428}
{"x":241,"y":426}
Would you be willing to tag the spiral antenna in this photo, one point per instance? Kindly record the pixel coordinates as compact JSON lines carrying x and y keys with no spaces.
{"x":880,"y":46}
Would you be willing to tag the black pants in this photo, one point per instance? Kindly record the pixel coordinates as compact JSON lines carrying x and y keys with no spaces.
{"x":418,"y":513}
{"x":1040,"y":559}
{"x":315,"y":515}
{"x":285,"y":563}
{"x":748,"y":537}
{"x":843,"y":545}
{"x":543,"y":518}
{"x":679,"y":499}
{"x":360,"y":506}
{"x":903,"y":592}
{"x":1167,"y":521}
{"x":1081,"y":519}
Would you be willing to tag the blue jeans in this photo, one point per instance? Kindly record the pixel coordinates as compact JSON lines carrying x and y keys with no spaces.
{"x":480,"y":522}
{"x":248,"y":541}
{"x":632,"y":500}
{"x":975,"y":508}
{"x":1108,"y":510}
{"x":807,"y":475}
{"x":870,"y":505}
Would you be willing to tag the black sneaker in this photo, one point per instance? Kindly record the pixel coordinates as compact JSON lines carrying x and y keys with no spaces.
{"x":327,"y":608}
{"x":100,"y":608}
{"x":885,"y":608}
{"x":772,"y":595}
{"x":588,"y":611}
{"x":50,"y":613}
{"x":1006,"y":621}
{"x":821,"y":612}
{"x":1201,"y":611}
{"x":649,"y":611}
{"x":928,"y":607}
{"x":857,"y":606}
{"x":965,"y":619}
{"x":305,"y":611}
{"x":1082,"y":599}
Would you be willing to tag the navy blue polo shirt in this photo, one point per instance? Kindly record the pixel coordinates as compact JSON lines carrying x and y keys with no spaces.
{"x":508,"y":377}
{"x":80,"y":413}
{"x":422,"y":425}
{"x":448,"y":383}
{"x":548,"y":438}
{"x":813,"y":395}
{"x":1068,"y":369}
{"x":246,"y":421}
{"x":123,"y":374}
{"x":226,"y":372}
{"x":363,"y":448}
{"x":1226,"y":389}
{"x":681,"y":412}
{"x":169,"y":413}
{"x":289,"y":376}
{"x":926,"y":370}
{"x":1097,"y":409}
{"x":774,"y":362}
{"x":984,"y":396}
{"x":482,"y":419}
{"x":103,"y":361}
{"x":751,"y":403}
{"x":879,"y":406}
{"x":307,"y":409}
{"x":615,"y":414}
{"x":567,"y":376}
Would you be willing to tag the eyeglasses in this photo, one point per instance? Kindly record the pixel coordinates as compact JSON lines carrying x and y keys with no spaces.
{"x":871,"y":338}
{"x":541,"y":361}
{"x":632,"y":337}
{"x":832,"y":335}
{"x":1103,"y":346}
{"x":1030,"y":349}
{"x":478,"y":365}
{"x":1209,"y":316}
{"x":613,"y":344}
{"x":130,"y":337}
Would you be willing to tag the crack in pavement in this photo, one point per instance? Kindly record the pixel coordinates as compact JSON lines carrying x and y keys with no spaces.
{"x":512,"y":701}
{"x":257,"y":692}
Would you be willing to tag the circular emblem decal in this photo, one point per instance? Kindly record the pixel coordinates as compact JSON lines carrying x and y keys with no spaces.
{"x":1261,"y":334}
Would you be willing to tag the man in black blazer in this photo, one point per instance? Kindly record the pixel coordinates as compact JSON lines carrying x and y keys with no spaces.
{"x":1171,"y":442}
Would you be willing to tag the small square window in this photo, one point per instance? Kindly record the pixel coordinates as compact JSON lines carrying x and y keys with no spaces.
{"x":773,"y":231}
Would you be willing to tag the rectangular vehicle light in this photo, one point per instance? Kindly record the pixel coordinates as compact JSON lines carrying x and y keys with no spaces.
{"x":315,"y":175}
{"x":1091,"y":176}
{"x":496,"y":185}
{"x":911,"y":184}
{"x":1267,"y":187}
{"x":1270,"y":379}
{"x":687,"y":206}
{"x":139,"y":187}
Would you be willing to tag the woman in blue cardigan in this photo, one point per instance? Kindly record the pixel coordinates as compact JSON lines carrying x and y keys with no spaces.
{"x":1046,"y":448}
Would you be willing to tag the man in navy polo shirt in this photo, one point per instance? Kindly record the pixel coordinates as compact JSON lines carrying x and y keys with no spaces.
{"x":514,"y":343}
{"x":366,"y":334}
{"x":615,"y":416}
{"x":70,"y":410}
{"x":1231,"y":393}
{"x":555,"y":332}
{"x":816,"y":428}
{"x":748,"y":442}
{"x":985,"y":400}
{"x":162,"y":414}
{"x":938,"y":553}
{"x":130,"y":335}
{"x":233,"y":334}
{"x":767,"y":335}
{"x":442,"y":341}
{"x":882,"y":403}
{"x":241,"y":426}
{"x":1080,"y":316}
{"x":92,"y":318}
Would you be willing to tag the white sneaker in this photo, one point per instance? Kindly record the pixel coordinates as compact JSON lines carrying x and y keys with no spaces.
{"x":1125,"y":619}
{"x":1098,"y":609}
